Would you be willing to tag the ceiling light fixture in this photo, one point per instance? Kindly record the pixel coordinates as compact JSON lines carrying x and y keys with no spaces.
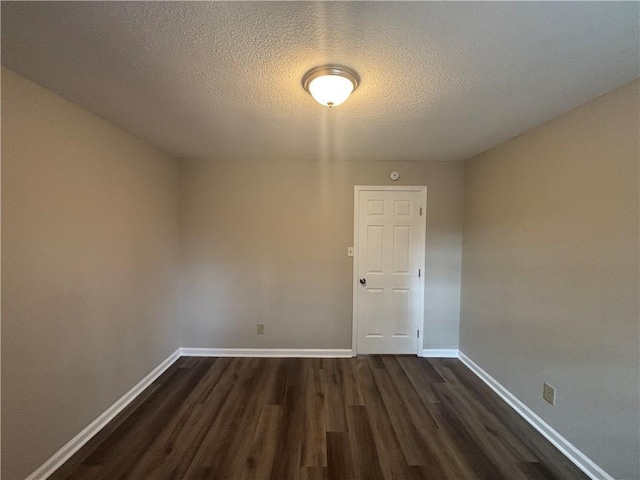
{"x":330,"y":85}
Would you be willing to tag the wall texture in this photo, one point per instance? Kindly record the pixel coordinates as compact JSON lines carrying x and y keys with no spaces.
{"x":267,"y":242}
{"x":89,"y":251}
{"x":550,"y":273}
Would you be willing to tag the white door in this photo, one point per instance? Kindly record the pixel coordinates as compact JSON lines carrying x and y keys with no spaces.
{"x":389,"y":268}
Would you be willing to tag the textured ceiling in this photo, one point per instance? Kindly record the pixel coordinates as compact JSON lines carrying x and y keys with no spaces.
{"x":440,"y":80}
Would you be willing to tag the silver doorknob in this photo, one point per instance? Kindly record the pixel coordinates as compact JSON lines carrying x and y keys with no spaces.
{"x":363,"y":281}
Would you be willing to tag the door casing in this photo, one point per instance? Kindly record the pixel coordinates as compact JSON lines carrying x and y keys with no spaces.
{"x":421,"y":254}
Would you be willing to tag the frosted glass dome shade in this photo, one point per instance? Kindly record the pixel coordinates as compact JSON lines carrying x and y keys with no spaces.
{"x":330,"y":90}
{"x":330,"y":85}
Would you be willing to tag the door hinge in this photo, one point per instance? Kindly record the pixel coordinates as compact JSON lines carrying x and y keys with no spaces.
{"x":419,"y":273}
{"x":418,"y":333}
{"x":420,"y":211}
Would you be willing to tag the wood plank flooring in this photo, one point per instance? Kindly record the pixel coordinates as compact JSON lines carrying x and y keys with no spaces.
{"x":370,"y":417}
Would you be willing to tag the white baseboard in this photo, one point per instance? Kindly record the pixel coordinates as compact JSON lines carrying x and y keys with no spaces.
{"x":99,"y":423}
{"x":62,"y":455}
{"x":569,"y":450}
{"x":561,"y":443}
{"x":440,"y":353}
{"x":267,"y":352}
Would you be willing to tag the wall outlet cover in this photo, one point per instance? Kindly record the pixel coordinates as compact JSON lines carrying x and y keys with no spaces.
{"x":260,"y":330}
{"x":549,"y":393}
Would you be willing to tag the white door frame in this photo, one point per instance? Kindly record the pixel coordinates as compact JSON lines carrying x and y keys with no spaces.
{"x":421,"y":256}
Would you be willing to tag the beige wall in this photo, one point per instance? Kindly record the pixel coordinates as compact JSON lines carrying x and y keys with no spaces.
{"x":90,"y":252}
{"x":89,"y":237}
{"x":550,"y":273}
{"x":90,"y":229}
{"x":267,"y":242}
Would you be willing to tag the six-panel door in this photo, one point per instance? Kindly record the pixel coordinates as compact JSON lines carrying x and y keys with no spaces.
{"x":390,"y":250}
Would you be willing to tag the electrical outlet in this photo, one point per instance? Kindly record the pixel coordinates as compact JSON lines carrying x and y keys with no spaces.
{"x":549,"y":393}
{"x":261,"y":329}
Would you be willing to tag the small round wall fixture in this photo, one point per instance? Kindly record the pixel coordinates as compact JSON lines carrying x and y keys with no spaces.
{"x":394,"y":176}
{"x":330,"y":85}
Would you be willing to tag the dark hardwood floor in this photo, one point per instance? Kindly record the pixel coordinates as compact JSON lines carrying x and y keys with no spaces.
{"x":370,"y":417}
